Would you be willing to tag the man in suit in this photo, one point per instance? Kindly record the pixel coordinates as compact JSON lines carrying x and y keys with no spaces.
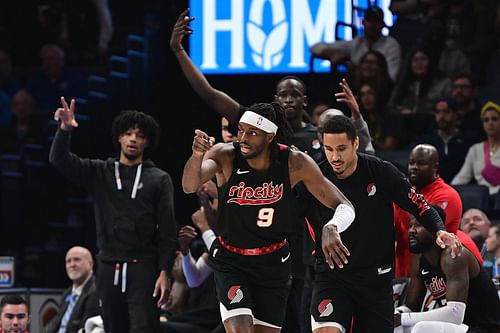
{"x":80,"y":300}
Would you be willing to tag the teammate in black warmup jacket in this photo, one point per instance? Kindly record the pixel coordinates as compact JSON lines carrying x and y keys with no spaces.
{"x":361,"y":286}
{"x":134,"y":213}
{"x":254,"y":178}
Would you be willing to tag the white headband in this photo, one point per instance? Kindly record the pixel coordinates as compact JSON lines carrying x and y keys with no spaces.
{"x":256,"y":120}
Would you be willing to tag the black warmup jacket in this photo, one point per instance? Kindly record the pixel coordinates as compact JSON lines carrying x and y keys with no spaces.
{"x":372,"y":189}
{"x":128,"y":229}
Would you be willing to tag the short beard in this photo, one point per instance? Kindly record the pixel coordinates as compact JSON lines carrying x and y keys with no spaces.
{"x":420,"y":247}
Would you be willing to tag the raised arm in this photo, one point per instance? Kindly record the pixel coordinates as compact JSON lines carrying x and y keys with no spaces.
{"x":200,"y":168}
{"x":74,"y":168}
{"x":346,"y":96}
{"x":218,"y":100}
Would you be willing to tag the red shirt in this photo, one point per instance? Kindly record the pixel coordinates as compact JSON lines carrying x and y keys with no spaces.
{"x":438,"y":193}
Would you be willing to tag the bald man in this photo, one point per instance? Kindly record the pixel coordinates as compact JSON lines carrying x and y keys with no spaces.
{"x":80,"y":301}
{"x":423,"y":167}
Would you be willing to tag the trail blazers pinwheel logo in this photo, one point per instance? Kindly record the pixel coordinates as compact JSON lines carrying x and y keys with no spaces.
{"x":235,"y":294}
{"x":267,"y":49}
{"x":325,"y":308}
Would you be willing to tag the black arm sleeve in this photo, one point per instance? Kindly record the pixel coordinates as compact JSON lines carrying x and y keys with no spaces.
{"x":405,"y":196}
{"x":74,"y":168}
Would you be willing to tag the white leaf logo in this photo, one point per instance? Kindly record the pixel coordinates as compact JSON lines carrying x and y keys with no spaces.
{"x":267,"y":49}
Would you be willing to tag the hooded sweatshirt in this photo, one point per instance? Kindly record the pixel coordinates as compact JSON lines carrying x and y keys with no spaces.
{"x":133,"y":205}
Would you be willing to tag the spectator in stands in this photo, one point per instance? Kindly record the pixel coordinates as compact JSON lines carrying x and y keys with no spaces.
{"x":346,"y":96}
{"x":451,"y":143}
{"x":464,"y":92}
{"x":14,"y":316}
{"x":482,"y":163}
{"x":22,"y":129}
{"x":9,"y":84}
{"x":373,"y":69}
{"x":372,"y":39}
{"x":420,"y":83}
{"x":54,"y":79}
{"x":423,"y":174}
{"x":462,"y":290}
{"x":386,"y":127}
{"x":475,"y":223}
{"x":80,"y":301}
{"x":492,"y":243}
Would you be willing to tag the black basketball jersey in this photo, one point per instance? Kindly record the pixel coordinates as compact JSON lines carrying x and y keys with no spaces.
{"x":255,"y":206}
{"x":483,"y":305}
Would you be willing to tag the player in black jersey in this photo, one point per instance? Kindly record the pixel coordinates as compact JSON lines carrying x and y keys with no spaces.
{"x":462,"y":290}
{"x":361,"y":288}
{"x":255,"y":177}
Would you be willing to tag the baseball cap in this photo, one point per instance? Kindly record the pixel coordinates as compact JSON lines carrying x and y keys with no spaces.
{"x":374,"y":13}
{"x":446,"y":102}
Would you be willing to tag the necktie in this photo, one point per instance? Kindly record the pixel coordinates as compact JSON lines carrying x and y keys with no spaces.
{"x":71,"y":300}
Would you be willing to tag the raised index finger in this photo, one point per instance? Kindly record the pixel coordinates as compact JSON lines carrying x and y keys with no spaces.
{"x":184,"y":13}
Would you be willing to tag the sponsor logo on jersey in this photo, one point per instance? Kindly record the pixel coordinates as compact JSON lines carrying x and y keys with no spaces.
{"x":437,"y":287}
{"x":325,"y":308}
{"x":371,"y":189}
{"x":235,"y":294}
{"x":419,"y":201}
{"x":261,"y":195}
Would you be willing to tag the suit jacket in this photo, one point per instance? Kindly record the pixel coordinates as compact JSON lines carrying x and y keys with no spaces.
{"x":86,"y":306}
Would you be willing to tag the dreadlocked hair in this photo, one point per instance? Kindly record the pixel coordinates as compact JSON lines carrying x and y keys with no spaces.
{"x":275,"y":113}
{"x":130,"y":119}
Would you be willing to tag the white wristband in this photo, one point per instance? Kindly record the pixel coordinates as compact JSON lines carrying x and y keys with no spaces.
{"x":208,"y":237}
{"x":343,"y":217}
{"x":453,"y":312}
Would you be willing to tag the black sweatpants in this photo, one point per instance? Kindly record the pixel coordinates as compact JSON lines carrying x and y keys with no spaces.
{"x":132,"y":311}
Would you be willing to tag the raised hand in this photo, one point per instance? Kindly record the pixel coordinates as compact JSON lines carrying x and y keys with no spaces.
{"x":335,"y":252}
{"x":66,"y":114}
{"x":346,"y":96}
{"x":186,"y":235}
{"x":181,"y":29}
{"x":202,"y":142}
